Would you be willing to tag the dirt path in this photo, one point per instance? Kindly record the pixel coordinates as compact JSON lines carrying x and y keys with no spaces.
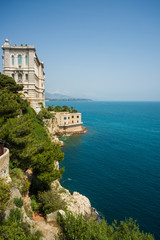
{"x":49,"y":230}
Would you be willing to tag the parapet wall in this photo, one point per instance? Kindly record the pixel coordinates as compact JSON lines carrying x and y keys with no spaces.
{"x":4,"y":164}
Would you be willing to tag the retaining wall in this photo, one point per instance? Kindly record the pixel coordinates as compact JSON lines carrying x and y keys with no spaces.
{"x":4,"y":163}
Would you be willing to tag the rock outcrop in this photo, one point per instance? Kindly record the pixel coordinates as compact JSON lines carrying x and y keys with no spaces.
{"x":76,"y":203}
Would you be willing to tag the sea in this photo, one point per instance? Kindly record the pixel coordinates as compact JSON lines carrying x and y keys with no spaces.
{"x":116,"y":164}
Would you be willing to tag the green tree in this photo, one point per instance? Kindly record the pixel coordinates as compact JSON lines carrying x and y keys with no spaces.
{"x":51,"y":108}
{"x":23,"y":133}
{"x":78,"y":228}
{"x":50,"y":201}
{"x":66,"y":109}
{"x":8,"y":83}
{"x":58,"y":109}
{"x":44,"y":114}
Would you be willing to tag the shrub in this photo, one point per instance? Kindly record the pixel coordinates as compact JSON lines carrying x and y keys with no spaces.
{"x":15,"y":215}
{"x":4,"y":196}
{"x":50,"y":201}
{"x":34,"y":204}
{"x":19,"y":180}
{"x":44,"y":114}
{"x":28,"y":212}
{"x":18,"y":202}
{"x":15,"y":229}
{"x":25,"y":187}
{"x":78,"y":228}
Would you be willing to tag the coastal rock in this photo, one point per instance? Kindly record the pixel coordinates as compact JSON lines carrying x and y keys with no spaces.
{"x":56,"y":140}
{"x":52,"y":217}
{"x":76,"y":203}
{"x":79,"y":204}
{"x":16,"y":193}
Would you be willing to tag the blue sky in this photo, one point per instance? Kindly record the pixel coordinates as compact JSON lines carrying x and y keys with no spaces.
{"x":99,"y":49}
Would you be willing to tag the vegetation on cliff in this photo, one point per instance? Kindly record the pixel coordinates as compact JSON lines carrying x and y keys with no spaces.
{"x":22,"y":131}
{"x":4,"y":196}
{"x":13,"y":227}
{"x":62,"y":109}
{"x":79,"y":228}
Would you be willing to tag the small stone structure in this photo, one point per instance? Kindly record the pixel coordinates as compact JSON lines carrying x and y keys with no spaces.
{"x":4,"y":164}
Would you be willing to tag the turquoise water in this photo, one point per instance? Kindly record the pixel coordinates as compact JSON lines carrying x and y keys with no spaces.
{"x":117,"y":163}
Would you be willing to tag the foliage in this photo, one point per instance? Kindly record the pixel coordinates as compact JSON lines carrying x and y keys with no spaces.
{"x":28,"y":212}
{"x":22,"y":131}
{"x":8,"y":83}
{"x":58,"y":109}
{"x":62,"y":109}
{"x":51,"y":108}
{"x":14,"y":228}
{"x":50,"y":201}
{"x":78,"y":228}
{"x":18,"y":202}
{"x":4,"y":196}
{"x":19,"y":180}
{"x":45,"y":114}
{"x":34,"y":204}
{"x":74,"y":111}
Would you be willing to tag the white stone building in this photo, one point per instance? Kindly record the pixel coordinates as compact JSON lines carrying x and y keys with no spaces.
{"x":22,"y":63}
{"x":69,"y":122}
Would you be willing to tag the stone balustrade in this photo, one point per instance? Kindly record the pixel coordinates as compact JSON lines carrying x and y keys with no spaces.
{"x":4,"y":164}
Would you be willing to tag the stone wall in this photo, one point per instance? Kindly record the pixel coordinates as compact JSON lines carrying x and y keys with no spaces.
{"x":70,"y":129}
{"x":4,"y":164}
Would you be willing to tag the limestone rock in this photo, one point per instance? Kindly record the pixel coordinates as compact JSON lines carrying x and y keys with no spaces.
{"x":25,"y":218}
{"x":80,"y":204}
{"x":52,"y":217}
{"x":76,"y":203}
{"x":15,"y":193}
{"x":50,"y":230}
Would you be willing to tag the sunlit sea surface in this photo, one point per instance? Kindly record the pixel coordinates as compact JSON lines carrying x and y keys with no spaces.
{"x":116,"y":164}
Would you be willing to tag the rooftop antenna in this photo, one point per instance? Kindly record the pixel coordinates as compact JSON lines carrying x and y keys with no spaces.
{"x":10,"y":42}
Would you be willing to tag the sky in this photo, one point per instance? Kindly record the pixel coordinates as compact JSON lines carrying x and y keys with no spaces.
{"x":107,"y":50}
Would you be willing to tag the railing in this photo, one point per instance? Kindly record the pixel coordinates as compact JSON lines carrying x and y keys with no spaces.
{"x":4,"y":163}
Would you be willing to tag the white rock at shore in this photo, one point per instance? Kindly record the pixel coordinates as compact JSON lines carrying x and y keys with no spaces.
{"x":76,"y":203}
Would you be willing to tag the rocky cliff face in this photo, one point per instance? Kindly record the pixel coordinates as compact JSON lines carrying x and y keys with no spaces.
{"x":76,"y":203}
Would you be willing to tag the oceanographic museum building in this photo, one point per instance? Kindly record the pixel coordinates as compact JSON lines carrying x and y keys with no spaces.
{"x":22,"y":64}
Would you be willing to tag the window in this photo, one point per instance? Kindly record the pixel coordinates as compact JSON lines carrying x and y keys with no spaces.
{"x":26,"y":76}
{"x":68,"y":117}
{"x":12,"y":59}
{"x":65,"y":118}
{"x":77,"y":121}
{"x":19,"y":59}
{"x":19,"y":66}
{"x":72,"y":116}
{"x":13,"y":75}
{"x":26,"y":59}
{"x":77,"y":116}
{"x":19,"y":77}
{"x":72,"y":121}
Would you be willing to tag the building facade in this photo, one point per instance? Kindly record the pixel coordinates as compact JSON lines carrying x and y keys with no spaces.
{"x":69,"y":121}
{"x":22,"y":64}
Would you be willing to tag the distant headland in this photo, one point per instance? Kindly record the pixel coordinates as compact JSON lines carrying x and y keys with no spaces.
{"x":63,"y":98}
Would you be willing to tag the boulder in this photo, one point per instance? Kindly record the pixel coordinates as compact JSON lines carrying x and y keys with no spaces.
{"x":52,"y":217}
{"x":15,"y":193}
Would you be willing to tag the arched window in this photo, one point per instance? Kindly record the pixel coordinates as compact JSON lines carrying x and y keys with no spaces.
{"x":12,"y":59}
{"x":19,"y":59}
{"x":19,"y":77}
{"x":26,"y":59}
